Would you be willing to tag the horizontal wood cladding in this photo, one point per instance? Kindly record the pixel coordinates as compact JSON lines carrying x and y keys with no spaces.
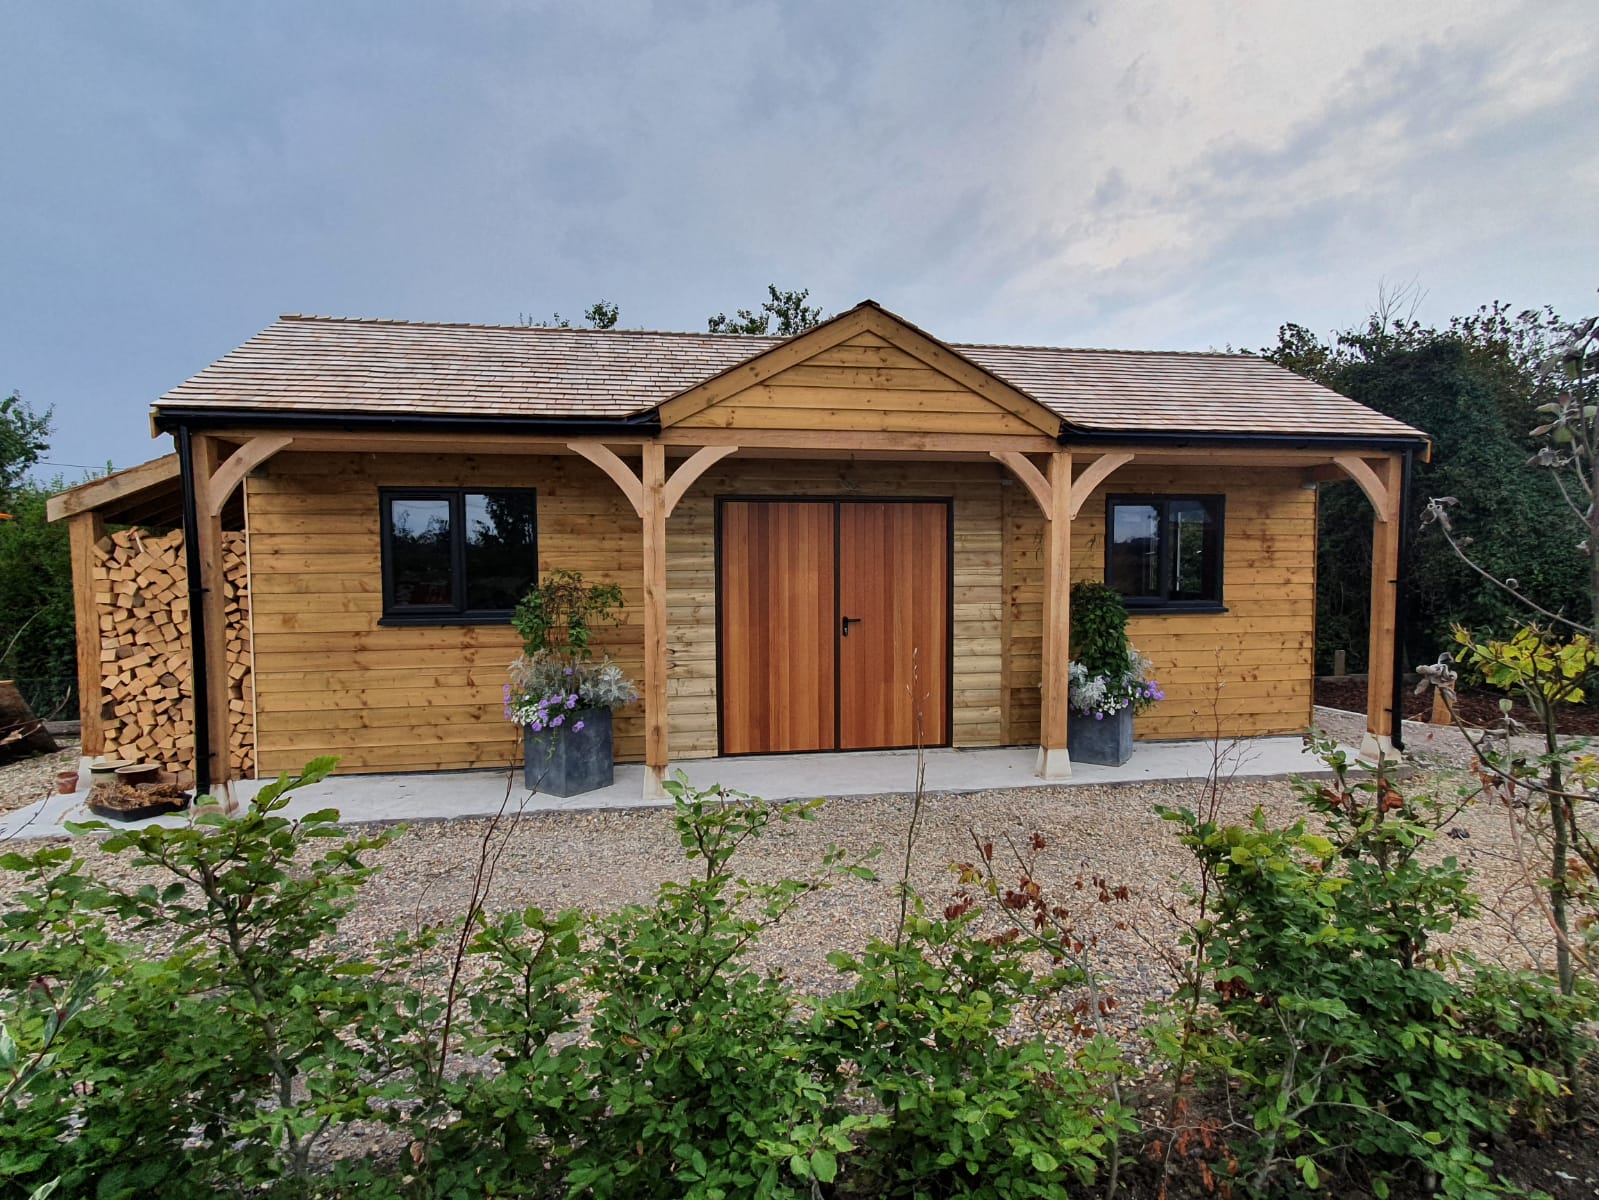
{"x":691,"y":580}
{"x":330,"y":680}
{"x":1244,"y":672}
{"x":864,"y":384}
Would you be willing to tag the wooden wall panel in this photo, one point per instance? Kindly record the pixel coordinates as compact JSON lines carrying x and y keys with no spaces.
{"x":330,"y":680}
{"x":861,"y":384}
{"x":1247,"y":671}
{"x":691,"y":580}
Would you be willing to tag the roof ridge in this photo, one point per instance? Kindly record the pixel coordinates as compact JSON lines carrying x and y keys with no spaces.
{"x":1110,"y":350}
{"x":404,"y":323}
{"x":520,"y":328}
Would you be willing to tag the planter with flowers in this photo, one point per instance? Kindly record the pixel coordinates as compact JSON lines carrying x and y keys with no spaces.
{"x":1110,"y":681}
{"x":560,"y":696}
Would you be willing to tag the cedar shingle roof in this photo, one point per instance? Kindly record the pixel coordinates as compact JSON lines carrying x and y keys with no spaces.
{"x":338,"y":365}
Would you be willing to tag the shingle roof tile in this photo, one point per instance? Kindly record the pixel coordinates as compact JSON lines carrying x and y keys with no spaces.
{"x":345,"y":365}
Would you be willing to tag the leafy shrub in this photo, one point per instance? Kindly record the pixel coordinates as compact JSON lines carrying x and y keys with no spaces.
{"x":968,"y":1108}
{"x":1352,"y":1040}
{"x":219,"y":1039}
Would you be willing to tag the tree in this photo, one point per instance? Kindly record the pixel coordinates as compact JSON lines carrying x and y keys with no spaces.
{"x":788,"y":309}
{"x":1473,"y":387}
{"x":600,"y":315}
{"x":24,"y":437}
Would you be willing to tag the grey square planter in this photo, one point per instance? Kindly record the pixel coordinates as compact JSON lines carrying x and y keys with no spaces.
{"x":1105,"y":743}
{"x":565,"y":761}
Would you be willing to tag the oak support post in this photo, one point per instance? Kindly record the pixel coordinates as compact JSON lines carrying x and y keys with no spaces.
{"x":208,"y":539}
{"x":84,"y":529}
{"x":653,"y":511}
{"x":1054,"y":760}
{"x":1378,"y":744}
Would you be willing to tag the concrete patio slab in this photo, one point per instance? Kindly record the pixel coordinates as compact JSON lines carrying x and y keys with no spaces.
{"x":447,"y":794}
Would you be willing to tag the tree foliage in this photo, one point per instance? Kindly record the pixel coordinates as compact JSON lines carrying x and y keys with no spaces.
{"x":1474,"y":387}
{"x":602,"y":314}
{"x":781,"y":313}
{"x":24,"y":437}
{"x":37,"y":635}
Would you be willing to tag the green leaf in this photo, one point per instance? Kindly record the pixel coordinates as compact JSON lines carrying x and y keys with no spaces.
{"x":823,"y":1165}
{"x":1307,"y":1171}
{"x":1044,"y":1162}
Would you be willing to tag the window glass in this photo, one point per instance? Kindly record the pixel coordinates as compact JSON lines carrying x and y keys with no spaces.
{"x":1165,"y":550}
{"x":1192,"y":535}
{"x":1133,"y":566}
{"x":501,"y":558}
{"x":420,"y":553}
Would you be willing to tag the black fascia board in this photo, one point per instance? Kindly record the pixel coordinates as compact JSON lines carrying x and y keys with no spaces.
{"x":199,"y":419}
{"x":1071,"y":435}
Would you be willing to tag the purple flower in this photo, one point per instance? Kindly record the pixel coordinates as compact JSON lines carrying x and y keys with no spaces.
{"x":557,"y":719}
{"x":577,"y":726}
{"x":571,"y":701}
{"x":569,"y":670}
{"x":1099,"y":716}
{"x":536,"y":725}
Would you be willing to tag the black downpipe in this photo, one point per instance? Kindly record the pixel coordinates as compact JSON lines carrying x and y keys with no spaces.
{"x":191,"y":558}
{"x":1401,"y":592}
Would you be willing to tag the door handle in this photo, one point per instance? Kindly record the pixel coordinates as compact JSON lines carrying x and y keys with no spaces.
{"x":845,"y":623}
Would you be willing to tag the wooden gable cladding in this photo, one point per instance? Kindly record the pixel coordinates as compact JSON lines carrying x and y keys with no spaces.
{"x":863,"y":372}
{"x":1248,"y":670}
{"x":331,"y":680}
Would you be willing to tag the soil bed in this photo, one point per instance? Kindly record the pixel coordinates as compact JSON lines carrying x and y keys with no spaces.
{"x":1478,"y":706}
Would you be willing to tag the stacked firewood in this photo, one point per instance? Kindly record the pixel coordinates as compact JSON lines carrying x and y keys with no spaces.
{"x":141,"y":593}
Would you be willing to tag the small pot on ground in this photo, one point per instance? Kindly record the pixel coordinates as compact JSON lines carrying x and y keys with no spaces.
{"x":66,"y":782}
{"x":571,"y":758}
{"x":1102,"y":741}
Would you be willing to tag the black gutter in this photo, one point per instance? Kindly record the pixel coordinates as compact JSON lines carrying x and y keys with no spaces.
{"x":1071,"y":435}
{"x":171,"y":420}
{"x":1401,"y":605}
{"x":198,"y":688}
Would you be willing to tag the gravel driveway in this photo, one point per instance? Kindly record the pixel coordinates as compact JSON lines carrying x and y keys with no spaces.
{"x":600,"y":861}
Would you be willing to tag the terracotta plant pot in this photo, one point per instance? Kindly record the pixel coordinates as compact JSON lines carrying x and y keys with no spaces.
{"x":66,"y":782}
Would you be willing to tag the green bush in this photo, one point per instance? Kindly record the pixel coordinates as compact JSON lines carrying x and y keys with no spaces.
{"x":196,"y":1036}
{"x":1353,"y":1043}
{"x":968,"y":1109}
{"x":220,"y":1039}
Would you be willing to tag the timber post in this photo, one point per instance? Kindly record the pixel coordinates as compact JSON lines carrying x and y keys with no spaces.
{"x":1054,"y":760}
{"x":653,"y":511}
{"x":84,"y":529}
{"x":1381,"y":667}
{"x":207,"y":535}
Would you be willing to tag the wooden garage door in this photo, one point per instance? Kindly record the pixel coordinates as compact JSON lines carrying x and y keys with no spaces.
{"x":835,"y":624}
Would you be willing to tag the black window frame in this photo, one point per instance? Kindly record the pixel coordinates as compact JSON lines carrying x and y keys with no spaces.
{"x":454,"y":614}
{"x":1215,"y":504}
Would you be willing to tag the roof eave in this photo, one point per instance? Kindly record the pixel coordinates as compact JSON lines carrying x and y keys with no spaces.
{"x":200,"y":418}
{"x":1077,"y":435}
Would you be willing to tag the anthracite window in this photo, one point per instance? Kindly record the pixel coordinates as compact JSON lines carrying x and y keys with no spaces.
{"x":1165,"y":551}
{"x":453,"y":555}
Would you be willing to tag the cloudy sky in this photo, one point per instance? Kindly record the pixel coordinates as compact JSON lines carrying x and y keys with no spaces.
{"x":1141,"y":175}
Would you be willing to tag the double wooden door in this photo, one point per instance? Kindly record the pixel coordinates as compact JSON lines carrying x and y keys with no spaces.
{"x":834,"y":624}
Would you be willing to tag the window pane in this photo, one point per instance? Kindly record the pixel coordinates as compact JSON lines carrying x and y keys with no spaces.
{"x":1194,"y":552}
{"x":1134,"y":567}
{"x":419,"y":541}
{"x":501,"y":557}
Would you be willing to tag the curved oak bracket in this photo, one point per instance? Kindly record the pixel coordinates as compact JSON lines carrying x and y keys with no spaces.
{"x":237,"y":465}
{"x":1376,"y":491}
{"x":689,"y":470}
{"x":621,"y":474}
{"x":1031,"y":478}
{"x":1093,"y":475}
